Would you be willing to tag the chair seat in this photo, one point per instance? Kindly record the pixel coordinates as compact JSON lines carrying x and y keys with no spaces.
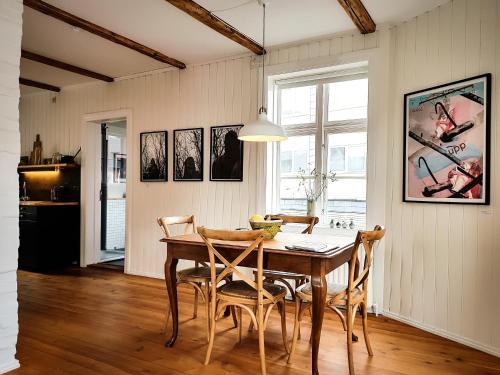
{"x":241,"y":289}
{"x":198,"y":272}
{"x":281,"y":275}
{"x":333,"y":290}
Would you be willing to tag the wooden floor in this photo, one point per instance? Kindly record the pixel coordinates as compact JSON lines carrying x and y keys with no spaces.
{"x":97,"y":321}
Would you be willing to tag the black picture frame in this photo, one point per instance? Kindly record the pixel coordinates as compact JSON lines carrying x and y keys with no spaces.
{"x":223,"y":168}
{"x":154,"y":143}
{"x":472,"y":172}
{"x":188,"y":146}
{"x":119,"y":167}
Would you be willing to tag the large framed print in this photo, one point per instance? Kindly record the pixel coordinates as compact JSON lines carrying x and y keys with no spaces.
{"x":154,"y":156}
{"x":226,"y":153}
{"x":188,"y":154}
{"x":447,"y":143}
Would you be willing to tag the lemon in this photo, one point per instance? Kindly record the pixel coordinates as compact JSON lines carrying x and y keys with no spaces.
{"x":257,"y":218}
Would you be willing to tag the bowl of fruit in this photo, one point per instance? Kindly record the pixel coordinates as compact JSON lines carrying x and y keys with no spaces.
{"x":271,"y":227}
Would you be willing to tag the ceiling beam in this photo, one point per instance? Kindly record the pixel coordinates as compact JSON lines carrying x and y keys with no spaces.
{"x":61,"y":65}
{"x":73,"y":20}
{"x":40,"y":85}
{"x":209,"y":19}
{"x":359,"y":15}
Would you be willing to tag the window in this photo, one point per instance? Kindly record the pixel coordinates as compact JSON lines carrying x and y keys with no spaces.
{"x":325,"y":121}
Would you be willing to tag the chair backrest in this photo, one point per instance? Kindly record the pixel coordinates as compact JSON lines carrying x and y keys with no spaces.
{"x":256,"y":237}
{"x":369,"y":240}
{"x":310,"y":221}
{"x":165,"y":221}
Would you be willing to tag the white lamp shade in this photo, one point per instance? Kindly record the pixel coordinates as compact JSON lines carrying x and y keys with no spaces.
{"x":262,"y":130}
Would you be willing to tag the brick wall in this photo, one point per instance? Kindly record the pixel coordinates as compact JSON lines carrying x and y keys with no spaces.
{"x":10,"y":51}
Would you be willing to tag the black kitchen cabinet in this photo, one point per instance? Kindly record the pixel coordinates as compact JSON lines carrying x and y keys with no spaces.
{"x":49,"y":236}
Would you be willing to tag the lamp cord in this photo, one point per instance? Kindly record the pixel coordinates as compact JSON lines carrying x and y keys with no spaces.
{"x":263,"y":108}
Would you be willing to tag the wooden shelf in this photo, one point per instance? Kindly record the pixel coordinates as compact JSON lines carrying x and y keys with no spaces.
{"x":45,"y":167}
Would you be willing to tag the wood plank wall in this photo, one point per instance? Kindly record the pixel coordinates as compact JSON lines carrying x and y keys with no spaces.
{"x":442,"y":261}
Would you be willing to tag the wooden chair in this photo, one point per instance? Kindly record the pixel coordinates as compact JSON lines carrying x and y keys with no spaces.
{"x":283,"y":277}
{"x":244,"y":294}
{"x":351,"y":297}
{"x":198,"y":276}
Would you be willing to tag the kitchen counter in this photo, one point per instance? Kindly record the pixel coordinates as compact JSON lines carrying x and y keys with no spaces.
{"x":47,"y":203}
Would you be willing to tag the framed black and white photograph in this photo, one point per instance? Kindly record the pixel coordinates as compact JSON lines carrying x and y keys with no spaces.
{"x":188,"y":154}
{"x":154,"y":156}
{"x":447,"y":143}
{"x":119,"y":168}
{"x":226,"y":153}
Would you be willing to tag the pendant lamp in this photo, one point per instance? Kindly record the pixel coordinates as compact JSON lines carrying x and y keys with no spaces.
{"x":262,"y":130}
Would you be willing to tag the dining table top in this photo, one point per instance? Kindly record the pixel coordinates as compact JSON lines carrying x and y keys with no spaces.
{"x":334,"y":243}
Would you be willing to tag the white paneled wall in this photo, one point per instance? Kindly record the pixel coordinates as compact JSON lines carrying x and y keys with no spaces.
{"x":10,"y":45}
{"x":222,"y":92}
{"x":442,"y":261}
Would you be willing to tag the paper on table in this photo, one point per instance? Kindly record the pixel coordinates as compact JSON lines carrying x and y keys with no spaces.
{"x":310,"y":246}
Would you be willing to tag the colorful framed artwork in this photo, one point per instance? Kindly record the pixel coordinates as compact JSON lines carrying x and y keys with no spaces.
{"x":447,"y":143}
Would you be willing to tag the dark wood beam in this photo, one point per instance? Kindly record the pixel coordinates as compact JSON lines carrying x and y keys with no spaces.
{"x":73,"y":20}
{"x":61,"y":65}
{"x":40,"y":85}
{"x":359,"y":15}
{"x":209,"y":19}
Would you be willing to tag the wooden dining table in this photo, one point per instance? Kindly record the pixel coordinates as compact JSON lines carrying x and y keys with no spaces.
{"x":277,"y":258}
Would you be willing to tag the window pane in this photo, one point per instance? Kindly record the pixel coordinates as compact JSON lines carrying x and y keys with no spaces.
{"x":292,"y":196}
{"x":347,"y":203}
{"x":357,"y":159}
{"x":298,"y":105}
{"x":336,"y":159}
{"x":286,"y":162}
{"x":350,"y":146}
{"x":348,"y":100}
{"x":297,"y":153}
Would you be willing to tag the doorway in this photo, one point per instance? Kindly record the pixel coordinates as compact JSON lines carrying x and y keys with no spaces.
{"x":112,"y":194}
{"x":105,"y":194}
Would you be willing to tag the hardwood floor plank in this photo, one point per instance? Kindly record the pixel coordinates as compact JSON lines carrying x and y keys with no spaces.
{"x":97,"y":321}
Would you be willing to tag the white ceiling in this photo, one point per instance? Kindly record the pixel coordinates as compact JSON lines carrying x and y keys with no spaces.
{"x":161,"y":26}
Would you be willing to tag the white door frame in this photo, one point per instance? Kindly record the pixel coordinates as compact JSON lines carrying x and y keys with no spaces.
{"x":90,"y":224}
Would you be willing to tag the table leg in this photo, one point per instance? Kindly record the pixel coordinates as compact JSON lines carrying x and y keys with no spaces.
{"x":319,"y":288}
{"x":171,"y":282}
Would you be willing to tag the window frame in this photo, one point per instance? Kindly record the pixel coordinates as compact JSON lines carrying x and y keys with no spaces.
{"x":320,"y":129}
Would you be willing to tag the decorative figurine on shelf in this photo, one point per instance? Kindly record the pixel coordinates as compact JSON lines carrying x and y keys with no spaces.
{"x":36,"y":154}
{"x":351,"y":224}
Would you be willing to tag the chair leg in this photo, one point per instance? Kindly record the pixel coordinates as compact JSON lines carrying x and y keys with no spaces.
{"x":365,"y":328}
{"x":298,"y":307}
{"x":240,"y":323}
{"x":235,"y":319}
{"x":262,"y":349}
{"x":349,"y":338}
{"x":195,"y":310}
{"x":212,"y":333}
{"x":284,"y":335}
{"x":250,"y":326}
{"x":207,"y":307}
